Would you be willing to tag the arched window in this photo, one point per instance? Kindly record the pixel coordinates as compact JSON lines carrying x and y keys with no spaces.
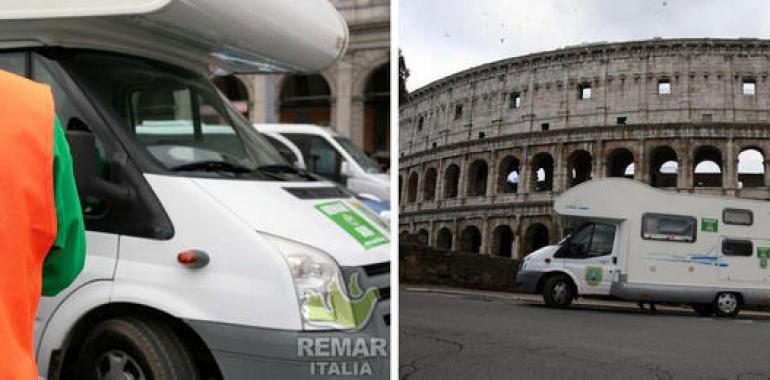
{"x":536,"y":237}
{"x":751,"y":168}
{"x":477,"y":178}
{"x":411,"y":189}
{"x":305,"y":99}
{"x":422,"y":237}
{"x":429,"y":186}
{"x":444,"y":239}
{"x":377,"y":113}
{"x":508,"y":175}
{"x":579,"y":166}
{"x":234,"y":89}
{"x":503,"y":241}
{"x":470,"y":240}
{"x":707,"y":171}
{"x":620,"y":163}
{"x":664,"y":167}
{"x":451,"y":181}
{"x":542,"y":172}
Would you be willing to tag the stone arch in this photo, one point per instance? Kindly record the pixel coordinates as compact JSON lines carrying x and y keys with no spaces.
{"x":542,"y":172}
{"x":664,"y":167}
{"x":502,"y":241}
{"x":305,"y":99}
{"x":478,"y":172}
{"x":509,"y":175}
{"x":411,"y":188}
{"x":470,"y":239}
{"x":751,"y":167}
{"x":444,"y":239}
{"x":536,"y":236}
{"x":451,"y":181}
{"x":620,"y":163}
{"x":579,"y":165}
{"x":429,"y":184}
{"x":237,"y":91}
{"x":422,"y":236}
{"x":377,"y":111}
{"x":707,"y":167}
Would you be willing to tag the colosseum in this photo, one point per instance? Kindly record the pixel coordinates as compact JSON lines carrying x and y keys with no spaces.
{"x":484,"y":152}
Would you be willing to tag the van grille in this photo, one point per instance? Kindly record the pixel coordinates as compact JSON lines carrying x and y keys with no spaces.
{"x":377,"y":269}
{"x":384,"y":293}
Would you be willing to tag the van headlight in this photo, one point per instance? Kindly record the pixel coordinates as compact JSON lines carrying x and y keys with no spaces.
{"x":319,"y":285}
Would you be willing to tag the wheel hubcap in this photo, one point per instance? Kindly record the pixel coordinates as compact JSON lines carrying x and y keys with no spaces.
{"x":560,"y":292}
{"x":727,"y":303}
{"x":118,"y":365}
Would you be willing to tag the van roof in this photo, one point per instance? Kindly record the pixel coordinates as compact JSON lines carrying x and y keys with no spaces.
{"x":237,"y":36}
{"x":296,"y":128}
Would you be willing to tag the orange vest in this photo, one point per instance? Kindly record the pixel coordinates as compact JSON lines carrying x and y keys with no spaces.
{"x":27,"y":216}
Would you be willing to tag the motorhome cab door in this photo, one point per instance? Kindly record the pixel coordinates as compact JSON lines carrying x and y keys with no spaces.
{"x":588,"y":256}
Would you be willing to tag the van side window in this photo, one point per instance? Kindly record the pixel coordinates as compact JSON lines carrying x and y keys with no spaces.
{"x":320,"y":156}
{"x":737,"y":216}
{"x":282,"y":149}
{"x":669,"y":227}
{"x":734,"y":247}
{"x":591,"y":240}
{"x":14,"y":62}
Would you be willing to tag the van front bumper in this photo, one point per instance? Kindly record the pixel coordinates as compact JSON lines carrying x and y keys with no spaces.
{"x":526,"y":281}
{"x":245,"y":352}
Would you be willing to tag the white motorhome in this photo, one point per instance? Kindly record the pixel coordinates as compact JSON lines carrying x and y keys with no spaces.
{"x":324,"y":152}
{"x":635,"y":242}
{"x":200,"y":262}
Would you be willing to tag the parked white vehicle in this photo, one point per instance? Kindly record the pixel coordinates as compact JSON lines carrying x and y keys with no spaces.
{"x":200,"y":263}
{"x":323,"y":151}
{"x":638,"y":243}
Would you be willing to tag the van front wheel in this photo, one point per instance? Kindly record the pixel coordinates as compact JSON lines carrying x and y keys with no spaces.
{"x":136,"y":349}
{"x":727,"y":305}
{"x":558,"y":291}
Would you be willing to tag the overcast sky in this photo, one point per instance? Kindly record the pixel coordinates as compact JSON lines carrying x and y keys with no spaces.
{"x":441,"y":37}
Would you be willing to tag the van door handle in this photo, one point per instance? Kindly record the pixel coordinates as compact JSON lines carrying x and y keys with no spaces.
{"x":614,"y":260}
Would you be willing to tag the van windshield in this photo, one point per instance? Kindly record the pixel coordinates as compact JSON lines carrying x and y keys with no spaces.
{"x":179,"y":118}
{"x":366,"y":163}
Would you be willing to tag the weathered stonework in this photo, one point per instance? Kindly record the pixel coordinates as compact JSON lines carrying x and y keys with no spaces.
{"x":470,"y":121}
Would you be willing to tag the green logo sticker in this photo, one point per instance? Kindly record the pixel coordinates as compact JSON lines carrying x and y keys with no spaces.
{"x":763,"y":253}
{"x":340,"y":311}
{"x":593,"y":275}
{"x":353,"y":223}
{"x":709,"y":224}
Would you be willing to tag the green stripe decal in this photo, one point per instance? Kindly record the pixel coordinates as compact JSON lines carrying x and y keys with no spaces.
{"x":353,"y":223}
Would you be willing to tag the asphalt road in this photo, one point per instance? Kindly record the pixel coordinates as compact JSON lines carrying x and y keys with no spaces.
{"x":482,"y":336}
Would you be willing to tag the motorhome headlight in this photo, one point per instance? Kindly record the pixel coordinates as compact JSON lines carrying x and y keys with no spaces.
{"x":319,"y":285}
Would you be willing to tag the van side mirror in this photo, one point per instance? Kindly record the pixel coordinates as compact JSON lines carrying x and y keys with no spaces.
{"x":344,"y":172}
{"x":84,"y":159}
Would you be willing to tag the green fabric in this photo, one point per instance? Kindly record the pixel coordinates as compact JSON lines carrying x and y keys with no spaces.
{"x":68,"y":254}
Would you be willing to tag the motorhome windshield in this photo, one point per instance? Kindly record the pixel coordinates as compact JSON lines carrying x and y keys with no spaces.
{"x":178,"y":117}
{"x":366,"y":163}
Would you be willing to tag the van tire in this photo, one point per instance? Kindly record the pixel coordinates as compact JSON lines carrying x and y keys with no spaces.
{"x":558,"y":291}
{"x":727,"y":304}
{"x":704,"y":309}
{"x":138,"y":349}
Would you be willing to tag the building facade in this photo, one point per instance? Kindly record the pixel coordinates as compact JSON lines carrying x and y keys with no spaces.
{"x":484,"y":152}
{"x":352,"y":96}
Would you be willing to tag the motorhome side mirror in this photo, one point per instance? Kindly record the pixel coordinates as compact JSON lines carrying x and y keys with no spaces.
{"x":84,"y":159}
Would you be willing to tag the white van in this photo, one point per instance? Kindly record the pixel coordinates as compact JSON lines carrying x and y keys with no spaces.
{"x":323,"y":151}
{"x":638,"y":243}
{"x":208,"y":255}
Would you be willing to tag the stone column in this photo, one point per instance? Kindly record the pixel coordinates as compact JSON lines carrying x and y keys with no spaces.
{"x":729,"y":178}
{"x":767,"y":172}
{"x":491,"y":175}
{"x":560,"y":176}
{"x":484,"y":247}
{"x":641,"y":171}
{"x":685,"y":169}
{"x":524,"y":172}
{"x":341,"y":118}
{"x":462,"y":186}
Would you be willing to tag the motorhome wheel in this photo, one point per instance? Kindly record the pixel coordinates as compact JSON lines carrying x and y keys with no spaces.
{"x":558,"y":291}
{"x":727,"y":305}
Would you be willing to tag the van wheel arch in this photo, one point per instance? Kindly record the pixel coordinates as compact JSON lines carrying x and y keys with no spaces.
{"x":63,"y":361}
{"x":546,"y":276}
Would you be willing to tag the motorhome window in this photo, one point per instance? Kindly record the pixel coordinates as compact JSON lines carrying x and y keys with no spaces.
{"x":176,"y":115}
{"x":591,"y":240}
{"x":737,"y":216}
{"x":366,"y":163}
{"x":669,"y":227}
{"x":734,"y":247}
{"x":320,"y":157}
{"x":602,"y":239}
{"x":14,"y":62}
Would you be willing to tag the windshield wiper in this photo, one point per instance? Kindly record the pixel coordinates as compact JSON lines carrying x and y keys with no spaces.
{"x":277,"y":169}
{"x":212,"y":166}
